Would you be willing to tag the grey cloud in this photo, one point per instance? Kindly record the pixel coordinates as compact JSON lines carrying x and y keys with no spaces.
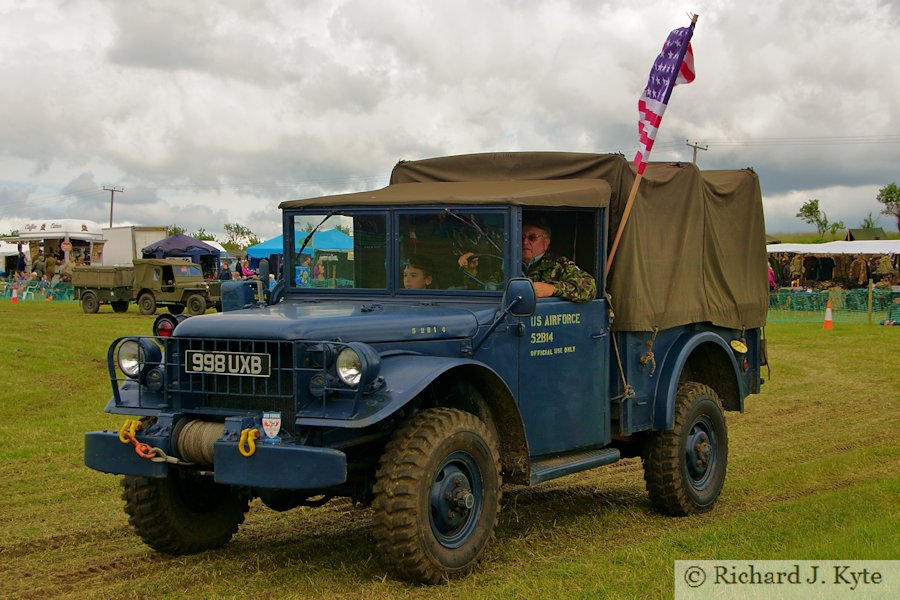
{"x":207,"y":37}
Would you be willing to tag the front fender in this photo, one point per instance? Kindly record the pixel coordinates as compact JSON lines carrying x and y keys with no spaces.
{"x":405,"y":377}
{"x":676,"y":358}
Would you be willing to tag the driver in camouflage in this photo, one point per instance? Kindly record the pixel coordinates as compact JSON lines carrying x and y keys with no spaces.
{"x":551,"y":275}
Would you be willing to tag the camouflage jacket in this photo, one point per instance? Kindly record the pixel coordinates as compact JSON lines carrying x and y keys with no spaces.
{"x":570,"y":282}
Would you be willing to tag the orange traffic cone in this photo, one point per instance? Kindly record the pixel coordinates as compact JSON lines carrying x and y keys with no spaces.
{"x":829,"y":324}
{"x":15,"y":296}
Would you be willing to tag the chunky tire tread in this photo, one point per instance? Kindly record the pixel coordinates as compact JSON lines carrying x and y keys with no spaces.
{"x":166,"y":525}
{"x":403,"y":466}
{"x":663,"y":469}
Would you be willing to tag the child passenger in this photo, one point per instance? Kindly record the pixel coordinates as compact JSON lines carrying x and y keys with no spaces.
{"x":416,"y":276}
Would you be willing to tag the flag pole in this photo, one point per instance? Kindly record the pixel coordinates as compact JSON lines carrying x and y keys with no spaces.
{"x":631,"y":196}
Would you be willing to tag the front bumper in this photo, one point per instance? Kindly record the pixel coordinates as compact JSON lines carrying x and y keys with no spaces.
{"x":280,"y":466}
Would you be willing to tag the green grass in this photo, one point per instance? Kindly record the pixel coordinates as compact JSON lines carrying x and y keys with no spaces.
{"x":814,"y":473}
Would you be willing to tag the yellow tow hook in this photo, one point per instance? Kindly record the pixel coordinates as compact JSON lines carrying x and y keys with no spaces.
{"x":247,"y":437}
{"x":128,"y":430}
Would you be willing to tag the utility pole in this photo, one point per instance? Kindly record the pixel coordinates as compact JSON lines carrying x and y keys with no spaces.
{"x":696,"y":147}
{"x":112,"y":196}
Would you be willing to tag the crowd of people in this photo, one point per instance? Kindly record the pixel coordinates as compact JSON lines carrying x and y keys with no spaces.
{"x":41,"y":273}
{"x":240,"y":270}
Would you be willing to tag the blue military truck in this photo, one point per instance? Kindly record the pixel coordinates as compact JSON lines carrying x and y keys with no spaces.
{"x":420,"y":403}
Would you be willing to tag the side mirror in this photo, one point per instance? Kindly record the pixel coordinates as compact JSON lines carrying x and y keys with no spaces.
{"x":520,"y":299}
{"x":264,"y":270}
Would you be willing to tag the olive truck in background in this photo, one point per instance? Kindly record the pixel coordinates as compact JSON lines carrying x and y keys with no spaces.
{"x":421,"y":403}
{"x":172,"y":283}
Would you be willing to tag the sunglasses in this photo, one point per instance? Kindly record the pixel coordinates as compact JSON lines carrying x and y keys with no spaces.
{"x":532,"y":237}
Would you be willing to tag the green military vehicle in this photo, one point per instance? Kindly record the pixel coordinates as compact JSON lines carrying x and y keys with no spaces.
{"x":152,"y":282}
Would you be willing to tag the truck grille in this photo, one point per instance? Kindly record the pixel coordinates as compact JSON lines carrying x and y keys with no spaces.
{"x":228,"y":392}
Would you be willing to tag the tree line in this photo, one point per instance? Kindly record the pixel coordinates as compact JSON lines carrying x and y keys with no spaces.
{"x":237,"y":237}
{"x":811,"y":213}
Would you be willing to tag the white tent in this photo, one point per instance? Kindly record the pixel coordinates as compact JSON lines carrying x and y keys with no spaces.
{"x":841,"y":247}
{"x":8,"y":249}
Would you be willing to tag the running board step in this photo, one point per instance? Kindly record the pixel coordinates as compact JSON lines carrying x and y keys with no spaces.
{"x":546,"y":469}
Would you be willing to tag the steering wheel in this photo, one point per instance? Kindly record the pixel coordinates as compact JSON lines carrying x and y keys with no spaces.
{"x":485,"y":284}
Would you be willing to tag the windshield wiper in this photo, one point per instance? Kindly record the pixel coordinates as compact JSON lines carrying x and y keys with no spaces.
{"x":315,"y":229}
{"x":475,"y":226}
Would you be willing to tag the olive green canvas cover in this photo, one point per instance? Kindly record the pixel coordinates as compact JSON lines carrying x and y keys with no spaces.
{"x":572,"y":193}
{"x":693,"y":250}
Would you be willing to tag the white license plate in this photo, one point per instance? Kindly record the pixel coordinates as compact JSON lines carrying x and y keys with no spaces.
{"x":242,"y":364}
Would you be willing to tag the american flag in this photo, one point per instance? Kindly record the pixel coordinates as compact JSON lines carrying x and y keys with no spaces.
{"x":674,"y":65}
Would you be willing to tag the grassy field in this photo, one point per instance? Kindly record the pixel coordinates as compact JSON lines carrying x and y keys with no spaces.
{"x":814,"y":473}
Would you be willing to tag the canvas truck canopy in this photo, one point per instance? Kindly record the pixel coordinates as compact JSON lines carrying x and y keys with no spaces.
{"x":577,"y":193}
{"x":525,"y":166}
{"x":694,"y":250}
{"x":694,"y":247}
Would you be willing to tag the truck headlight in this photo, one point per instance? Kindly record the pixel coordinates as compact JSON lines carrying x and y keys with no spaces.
{"x":357,"y":364}
{"x":137,"y":356}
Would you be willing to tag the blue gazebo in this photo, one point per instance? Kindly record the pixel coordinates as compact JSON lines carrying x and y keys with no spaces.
{"x":329,"y":239}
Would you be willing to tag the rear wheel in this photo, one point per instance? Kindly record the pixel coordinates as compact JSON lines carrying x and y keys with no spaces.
{"x":120,"y":306}
{"x":684,"y":468}
{"x":437,"y":495}
{"x":196,"y":304}
{"x":147,"y":303}
{"x":90,"y":304}
{"x":176,"y":309}
{"x":183,"y":513}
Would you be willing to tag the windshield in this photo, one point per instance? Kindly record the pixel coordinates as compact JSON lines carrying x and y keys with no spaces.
{"x":438,"y":249}
{"x":345,"y":252}
{"x":188,"y":270}
{"x":451,"y":249}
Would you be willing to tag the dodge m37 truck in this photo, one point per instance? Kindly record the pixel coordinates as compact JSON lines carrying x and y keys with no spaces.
{"x":422,"y":402}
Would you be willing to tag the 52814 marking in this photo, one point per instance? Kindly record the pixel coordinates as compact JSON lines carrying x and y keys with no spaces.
{"x":541,"y":337}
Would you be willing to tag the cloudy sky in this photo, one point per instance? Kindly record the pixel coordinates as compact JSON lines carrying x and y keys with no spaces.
{"x":213,"y":111}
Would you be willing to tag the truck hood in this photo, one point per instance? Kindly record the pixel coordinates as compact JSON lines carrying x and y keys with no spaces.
{"x":349,"y":321}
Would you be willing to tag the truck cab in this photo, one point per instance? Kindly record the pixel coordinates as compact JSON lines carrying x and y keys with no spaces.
{"x":170,"y":282}
{"x":421,"y":395}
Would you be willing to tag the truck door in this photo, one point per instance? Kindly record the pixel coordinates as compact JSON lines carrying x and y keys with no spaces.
{"x":563,"y":373}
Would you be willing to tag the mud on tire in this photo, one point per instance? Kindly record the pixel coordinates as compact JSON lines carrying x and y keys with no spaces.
{"x":437,"y":495}
{"x":684,"y":469}
{"x":183,"y":513}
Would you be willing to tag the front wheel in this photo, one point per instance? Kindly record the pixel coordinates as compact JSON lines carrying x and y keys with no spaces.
{"x":196,"y":304}
{"x":120,"y":306}
{"x":437,"y":495}
{"x":176,"y":309}
{"x":183,"y":513}
{"x":684,"y":468}
{"x":147,"y":303}
{"x":90,"y":304}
